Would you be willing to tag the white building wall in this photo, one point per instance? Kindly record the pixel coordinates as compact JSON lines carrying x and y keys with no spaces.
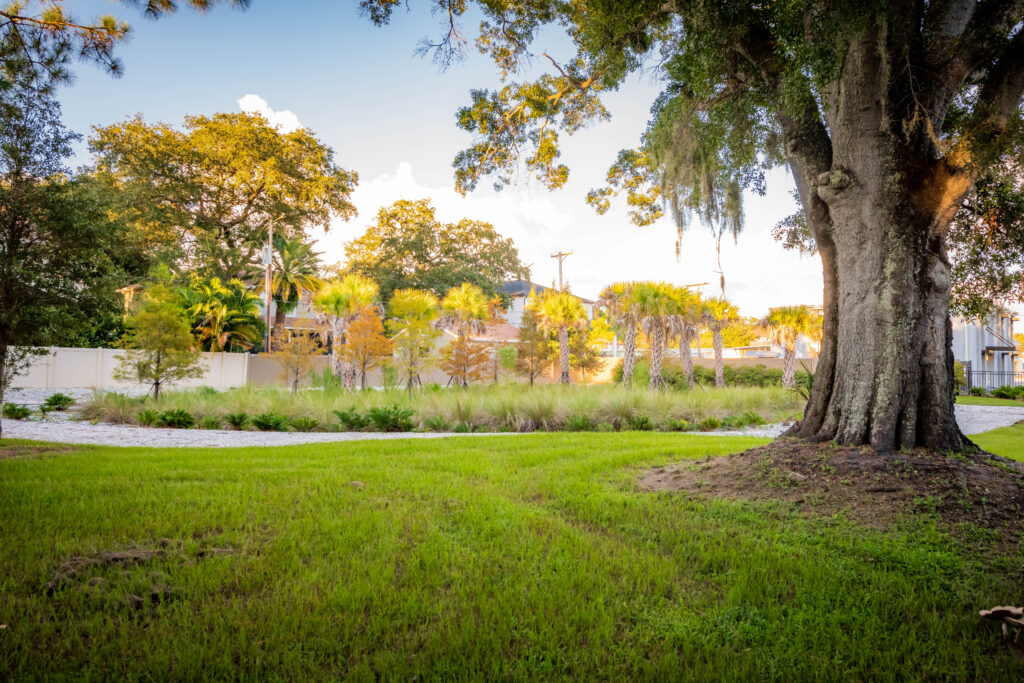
{"x":985,"y":345}
{"x":65,"y":368}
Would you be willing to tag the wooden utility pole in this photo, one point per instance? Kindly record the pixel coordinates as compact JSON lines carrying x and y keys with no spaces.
{"x":561,"y":257}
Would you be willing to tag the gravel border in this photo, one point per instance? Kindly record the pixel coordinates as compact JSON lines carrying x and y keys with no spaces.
{"x":60,"y":427}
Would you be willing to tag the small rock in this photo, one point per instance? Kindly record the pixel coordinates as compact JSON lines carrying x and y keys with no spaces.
{"x":797,"y":476}
{"x":358,"y":485}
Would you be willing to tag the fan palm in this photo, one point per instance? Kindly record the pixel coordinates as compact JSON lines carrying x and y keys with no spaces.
{"x":657,"y":306}
{"x":225,"y":316}
{"x":466,"y":308}
{"x":717,"y":315}
{"x":341,"y":301}
{"x":685,"y":325}
{"x":558,"y":311}
{"x":784,"y":326}
{"x":615,"y":299}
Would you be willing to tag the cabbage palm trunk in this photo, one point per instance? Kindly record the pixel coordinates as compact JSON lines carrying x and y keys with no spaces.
{"x":563,"y":354}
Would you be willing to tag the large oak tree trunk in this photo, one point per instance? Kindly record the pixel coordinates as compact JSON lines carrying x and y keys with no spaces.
{"x":878,"y":201}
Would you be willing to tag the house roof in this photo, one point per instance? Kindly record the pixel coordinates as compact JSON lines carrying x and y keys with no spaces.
{"x":523,"y":287}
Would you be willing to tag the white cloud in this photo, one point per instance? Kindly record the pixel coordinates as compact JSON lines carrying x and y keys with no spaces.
{"x":759,"y":273}
{"x":285,"y":120}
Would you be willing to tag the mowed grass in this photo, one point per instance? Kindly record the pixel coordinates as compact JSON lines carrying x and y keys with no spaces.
{"x":505,"y":557}
{"x":1006,"y":441}
{"x":989,"y":401}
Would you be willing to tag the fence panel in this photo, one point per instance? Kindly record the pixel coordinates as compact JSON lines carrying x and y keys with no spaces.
{"x":990,"y":379}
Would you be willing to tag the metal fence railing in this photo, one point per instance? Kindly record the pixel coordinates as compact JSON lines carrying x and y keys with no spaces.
{"x":990,"y":380}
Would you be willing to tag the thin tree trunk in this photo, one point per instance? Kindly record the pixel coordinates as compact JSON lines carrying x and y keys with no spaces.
{"x":719,"y":364}
{"x":657,"y":348}
{"x":788,"y":366}
{"x":628,"y":355}
{"x":4,"y":350}
{"x":337,"y":339}
{"x":684,"y":356}
{"x":563,"y":347}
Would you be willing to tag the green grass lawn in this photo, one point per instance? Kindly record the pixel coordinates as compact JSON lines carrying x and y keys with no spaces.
{"x":505,"y":557}
{"x":988,"y":401}
{"x":1007,"y":442}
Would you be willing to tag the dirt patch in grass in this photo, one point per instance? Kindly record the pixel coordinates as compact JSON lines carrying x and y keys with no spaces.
{"x":19,"y":451}
{"x":872,"y":488}
{"x":112,"y":577}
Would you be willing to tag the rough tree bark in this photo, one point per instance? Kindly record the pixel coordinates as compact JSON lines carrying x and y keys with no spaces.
{"x":716,"y":339}
{"x":563,"y":348}
{"x":789,"y":366}
{"x":685,"y":357}
{"x":657,"y":349}
{"x":878,"y":203}
{"x":628,"y":355}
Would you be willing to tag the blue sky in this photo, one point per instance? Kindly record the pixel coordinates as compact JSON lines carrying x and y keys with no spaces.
{"x":390,"y":115}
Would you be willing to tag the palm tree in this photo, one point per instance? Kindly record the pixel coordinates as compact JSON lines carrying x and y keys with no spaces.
{"x":558,"y":311}
{"x":225,"y":316}
{"x":467,"y":309}
{"x":341,"y":301}
{"x":622,"y":311}
{"x":295,"y":274}
{"x":657,"y":306}
{"x":717,"y":315}
{"x":685,"y":325}
{"x":784,"y":326}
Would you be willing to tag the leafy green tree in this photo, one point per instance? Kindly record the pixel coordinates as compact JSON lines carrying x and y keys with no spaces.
{"x":57,"y":277}
{"x":886,"y":114}
{"x":784,"y":326}
{"x":532,"y":350}
{"x":718,"y":314}
{"x":409,"y":248}
{"x":557,"y":311}
{"x":411,"y":317}
{"x":160,"y":346}
{"x":586,"y":345}
{"x":340,"y":302}
{"x":214,"y":189}
{"x":225,"y":315}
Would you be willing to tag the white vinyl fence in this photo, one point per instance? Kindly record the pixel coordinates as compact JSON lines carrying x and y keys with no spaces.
{"x":63,"y":368}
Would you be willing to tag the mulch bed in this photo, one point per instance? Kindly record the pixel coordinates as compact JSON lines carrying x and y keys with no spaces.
{"x":875,"y":489}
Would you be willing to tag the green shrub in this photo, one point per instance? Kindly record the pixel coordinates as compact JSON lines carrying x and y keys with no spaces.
{"x":269,"y":422}
{"x":674,"y":425}
{"x":206,"y":391}
{"x":639,"y":423}
{"x":177,"y":419}
{"x":393,"y":419}
{"x":578,"y":423}
{"x":210,"y":422}
{"x":605,"y":427}
{"x":58,"y":401}
{"x":959,"y":376}
{"x":237,"y":420}
{"x":741,"y":376}
{"x":351,"y":420}
{"x":978,"y":391}
{"x":304,"y":424}
{"x":437,"y":424}
{"x":709,"y":423}
{"x":147,"y":418}
{"x":1009,"y":392}
{"x":463,"y":428}
{"x":14,"y":411}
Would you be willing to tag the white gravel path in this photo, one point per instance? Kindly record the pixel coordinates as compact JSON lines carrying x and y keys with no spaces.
{"x":61,"y":428}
